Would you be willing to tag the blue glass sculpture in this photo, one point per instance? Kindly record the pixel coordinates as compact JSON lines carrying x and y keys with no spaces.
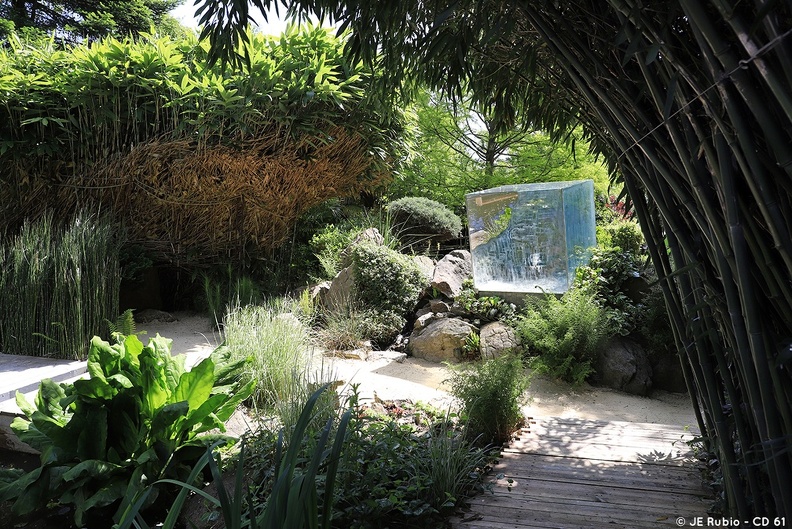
{"x":530,"y":237}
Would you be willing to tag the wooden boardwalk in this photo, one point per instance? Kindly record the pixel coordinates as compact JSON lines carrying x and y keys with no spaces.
{"x":575,"y":474}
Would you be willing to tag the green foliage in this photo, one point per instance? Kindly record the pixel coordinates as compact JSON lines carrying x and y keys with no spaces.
{"x":224,"y":289}
{"x":327,"y":245}
{"x":393,"y":475}
{"x":563,"y":335}
{"x":417,"y":220}
{"x":387,"y":284}
{"x":275,"y":344}
{"x":606,"y":278}
{"x":386,"y":280}
{"x":301,"y":478}
{"x":136,"y":419}
{"x":59,"y":285}
{"x":623,"y":234}
{"x":342,"y":328}
{"x":485,"y":308}
{"x":445,"y":169}
{"x":124,"y":325}
{"x":491,"y":393}
{"x":471,"y":349}
{"x":74,"y":19}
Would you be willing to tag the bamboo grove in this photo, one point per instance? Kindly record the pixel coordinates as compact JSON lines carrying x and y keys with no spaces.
{"x":201,"y":165}
{"x":690,"y":101}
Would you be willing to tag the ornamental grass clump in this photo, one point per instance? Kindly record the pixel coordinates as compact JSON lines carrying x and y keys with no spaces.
{"x":276,"y":345}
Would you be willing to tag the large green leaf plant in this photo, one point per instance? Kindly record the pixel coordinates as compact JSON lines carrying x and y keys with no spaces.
{"x":137,"y":419}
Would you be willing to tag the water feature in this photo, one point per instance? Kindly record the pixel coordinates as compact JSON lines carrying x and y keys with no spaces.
{"x":530,"y":237}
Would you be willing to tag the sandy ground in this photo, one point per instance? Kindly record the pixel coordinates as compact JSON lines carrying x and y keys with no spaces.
{"x":419,"y":380}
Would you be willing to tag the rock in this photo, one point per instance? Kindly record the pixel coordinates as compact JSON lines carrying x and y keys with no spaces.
{"x":355,"y":354}
{"x":438,"y":305}
{"x":426,"y":265}
{"x":451,"y":271}
{"x":367,"y":235}
{"x":497,"y":338}
{"x":150,"y":315}
{"x":423,"y":310}
{"x":393,"y":356}
{"x":623,"y":365}
{"x":441,"y":340}
{"x":341,"y":289}
{"x":667,"y":374}
{"x":425,"y":319}
{"x":319,"y":292}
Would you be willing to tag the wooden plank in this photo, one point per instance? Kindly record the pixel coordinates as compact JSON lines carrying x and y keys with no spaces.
{"x":521,"y":490}
{"x":613,"y":425}
{"x":688,"y":482}
{"x":538,"y":520}
{"x":569,"y":473}
{"x":511,"y":509}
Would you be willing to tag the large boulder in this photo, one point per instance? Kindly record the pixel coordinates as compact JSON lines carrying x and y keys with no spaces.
{"x":426,"y":265}
{"x":441,"y":340}
{"x":342,"y":289}
{"x":496,"y":339}
{"x":667,"y":374}
{"x":623,"y":365}
{"x":451,"y":271}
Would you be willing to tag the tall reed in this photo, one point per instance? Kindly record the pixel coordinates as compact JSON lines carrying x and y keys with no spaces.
{"x":60,"y":284}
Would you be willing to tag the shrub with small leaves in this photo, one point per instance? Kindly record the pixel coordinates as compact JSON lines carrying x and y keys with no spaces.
{"x":419,"y":219}
{"x":387,"y":284}
{"x":485,"y":308}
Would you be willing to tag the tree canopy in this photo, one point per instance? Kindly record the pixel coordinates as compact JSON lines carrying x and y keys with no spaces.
{"x":73,"y":20}
{"x":690,"y":101}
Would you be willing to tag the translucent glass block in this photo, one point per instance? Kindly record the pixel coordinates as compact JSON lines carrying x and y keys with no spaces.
{"x":531,"y":237}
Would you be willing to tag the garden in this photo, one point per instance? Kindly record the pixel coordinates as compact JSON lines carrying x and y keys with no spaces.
{"x":299,"y":206}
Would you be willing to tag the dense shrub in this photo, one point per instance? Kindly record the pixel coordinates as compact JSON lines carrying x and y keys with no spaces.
{"x":417,"y":219}
{"x":606,"y":278}
{"x":394,"y":474}
{"x":388,"y":285}
{"x":563,"y":335}
{"x":492,"y":394}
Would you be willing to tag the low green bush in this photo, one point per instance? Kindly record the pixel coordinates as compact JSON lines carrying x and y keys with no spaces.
{"x":492,"y":393}
{"x":485,"y":308}
{"x":388,"y":285}
{"x":563,"y":335}
{"x":327,"y":245}
{"x":418,"y":220}
{"x":135,"y":420}
{"x":606,"y":278}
